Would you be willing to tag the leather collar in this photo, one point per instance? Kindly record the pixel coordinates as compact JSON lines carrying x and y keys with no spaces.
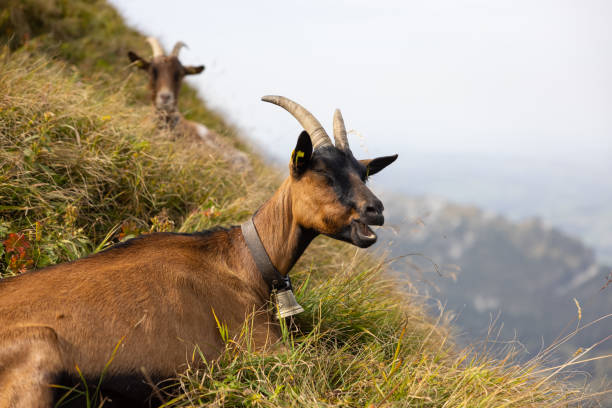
{"x":269,"y":273}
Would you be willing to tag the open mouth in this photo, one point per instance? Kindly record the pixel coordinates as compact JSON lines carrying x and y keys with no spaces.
{"x":363,"y":233}
{"x":359,"y":233}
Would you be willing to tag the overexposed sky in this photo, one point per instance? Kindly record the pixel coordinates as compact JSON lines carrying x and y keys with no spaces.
{"x":520,"y":77}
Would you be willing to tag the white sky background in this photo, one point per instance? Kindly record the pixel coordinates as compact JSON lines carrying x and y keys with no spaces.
{"x":525,"y":77}
{"x":520,"y":83}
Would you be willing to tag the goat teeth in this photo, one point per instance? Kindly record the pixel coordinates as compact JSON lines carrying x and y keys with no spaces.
{"x":365,"y":231}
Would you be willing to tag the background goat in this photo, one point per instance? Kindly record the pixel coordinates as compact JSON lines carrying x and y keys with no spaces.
{"x":157,"y":295}
{"x":166,"y":73}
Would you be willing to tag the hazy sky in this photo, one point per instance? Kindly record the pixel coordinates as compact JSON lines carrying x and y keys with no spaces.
{"x":525,"y":77}
{"x":504,"y":104}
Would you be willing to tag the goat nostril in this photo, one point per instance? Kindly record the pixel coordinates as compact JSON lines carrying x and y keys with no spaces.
{"x":375,"y":208}
{"x":373,"y":215}
{"x":372,"y":210}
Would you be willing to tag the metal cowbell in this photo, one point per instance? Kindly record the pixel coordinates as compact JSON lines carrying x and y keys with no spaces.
{"x":286,"y":304}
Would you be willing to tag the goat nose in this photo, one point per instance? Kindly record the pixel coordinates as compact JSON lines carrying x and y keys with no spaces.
{"x":165,"y":97}
{"x":375,"y":207}
{"x":374,"y":213}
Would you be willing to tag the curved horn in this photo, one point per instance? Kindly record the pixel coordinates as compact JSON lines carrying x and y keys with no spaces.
{"x":177,"y":48}
{"x":317,"y":134}
{"x":340,"y":132}
{"x":158,"y":51}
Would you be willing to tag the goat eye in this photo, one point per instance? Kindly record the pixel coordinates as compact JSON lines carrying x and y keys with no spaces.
{"x":155,"y":73}
{"x":322,"y":174}
{"x":330,"y":180}
{"x":177,"y":77}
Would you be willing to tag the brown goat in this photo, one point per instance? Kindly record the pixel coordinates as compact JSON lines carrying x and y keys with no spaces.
{"x":166,"y":73}
{"x":157,"y":295}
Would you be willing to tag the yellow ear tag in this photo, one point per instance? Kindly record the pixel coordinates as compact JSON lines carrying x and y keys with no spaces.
{"x":297,"y":156}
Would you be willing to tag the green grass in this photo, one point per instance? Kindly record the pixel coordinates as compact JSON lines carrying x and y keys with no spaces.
{"x":360,"y":343}
{"x":77,"y":160}
{"x":82,"y":165}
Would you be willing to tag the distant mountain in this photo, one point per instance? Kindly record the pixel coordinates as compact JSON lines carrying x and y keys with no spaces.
{"x":573,"y":194}
{"x":481,"y":264}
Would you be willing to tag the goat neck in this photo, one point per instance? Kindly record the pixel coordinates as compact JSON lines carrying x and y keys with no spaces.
{"x":285,"y":241}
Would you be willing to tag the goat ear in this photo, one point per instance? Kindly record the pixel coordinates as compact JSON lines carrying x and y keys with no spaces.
{"x":301,"y":155}
{"x":140,"y":62}
{"x":192,"y":70}
{"x":373,"y":166}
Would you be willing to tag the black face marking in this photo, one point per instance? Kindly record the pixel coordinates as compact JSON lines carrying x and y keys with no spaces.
{"x":347,"y":208}
{"x":336,"y":168}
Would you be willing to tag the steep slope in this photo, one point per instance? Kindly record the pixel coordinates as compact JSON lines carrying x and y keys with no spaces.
{"x":82,"y":165}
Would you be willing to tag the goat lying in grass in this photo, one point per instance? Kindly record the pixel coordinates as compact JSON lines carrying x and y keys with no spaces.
{"x":159,"y":295}
{"x":165,"y":76}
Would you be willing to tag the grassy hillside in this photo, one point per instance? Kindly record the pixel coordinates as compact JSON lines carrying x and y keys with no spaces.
{"x":83,"y":166}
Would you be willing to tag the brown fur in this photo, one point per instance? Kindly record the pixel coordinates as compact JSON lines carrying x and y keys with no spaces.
{"x":155,"y":295}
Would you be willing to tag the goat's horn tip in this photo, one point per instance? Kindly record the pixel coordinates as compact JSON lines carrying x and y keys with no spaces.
{"x":269,"y":98}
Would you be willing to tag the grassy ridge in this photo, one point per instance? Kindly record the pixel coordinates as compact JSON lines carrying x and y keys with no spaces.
{"x":83,"y":165}
{"x":75,"y":158}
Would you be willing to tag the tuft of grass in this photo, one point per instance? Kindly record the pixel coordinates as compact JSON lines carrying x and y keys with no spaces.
{"x":77,"y":160}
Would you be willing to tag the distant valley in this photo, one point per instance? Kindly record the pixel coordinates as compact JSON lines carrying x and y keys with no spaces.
{"x":480,"y":265}
{"x":571,"y":194}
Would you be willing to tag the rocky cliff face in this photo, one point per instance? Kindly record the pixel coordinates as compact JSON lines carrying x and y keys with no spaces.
{"x":481,"y":264}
